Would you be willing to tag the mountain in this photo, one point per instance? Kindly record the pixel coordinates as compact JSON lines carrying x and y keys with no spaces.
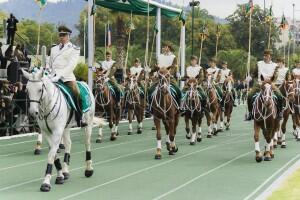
{"x":63,"y":12}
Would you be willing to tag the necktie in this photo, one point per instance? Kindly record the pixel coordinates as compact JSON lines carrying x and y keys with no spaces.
{"x":61,"y":46}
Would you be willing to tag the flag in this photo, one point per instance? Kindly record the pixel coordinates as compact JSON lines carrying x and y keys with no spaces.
{"x":283,"y":24}
{"x":155,"y":28}
{"x":218,"y":29}
{"x":94,"y":8}
{"x":182,"y":17}
{"x":109,"y":44}
{"x":269,"y":17}
{"x":249,"y":7}
{"x":42,"y":3}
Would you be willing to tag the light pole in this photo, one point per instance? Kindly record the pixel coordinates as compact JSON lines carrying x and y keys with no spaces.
{"x":294,"y":30}
{"x":193,"y":4}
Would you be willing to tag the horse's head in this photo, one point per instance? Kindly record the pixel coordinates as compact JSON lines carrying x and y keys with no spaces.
{"x":132,"y":81}
{"x":36,"y":90}
{"x":192,"y":83}
{"x":266,"y":93}
{"x":164,"y":79}
{"x":100,"y":78}
{"x":289,"y":90}
{"x":228,"y":84}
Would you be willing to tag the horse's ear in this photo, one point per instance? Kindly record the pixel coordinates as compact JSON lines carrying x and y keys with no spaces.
{"x":262,"y":77}
{"x":26,"y":74}
{"x":168,"y":68}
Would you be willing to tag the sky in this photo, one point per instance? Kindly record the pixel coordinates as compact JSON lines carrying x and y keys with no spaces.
{"x":223,"y":8}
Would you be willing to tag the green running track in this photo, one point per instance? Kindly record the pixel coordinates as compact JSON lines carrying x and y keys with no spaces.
{"x":219,"y":168}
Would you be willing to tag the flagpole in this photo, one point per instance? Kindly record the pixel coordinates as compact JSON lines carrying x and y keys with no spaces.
{"x":201,"y":47}
{"x":249,"y":55}
{"x":217,"y":43}
{"x":152,"y":47}
{"x":283,"y":41}
{"x":288,"y":58}
{"x":105,"y":40}
{"x":39,"y":33}
{"x":84,"y":38}
{"x":269,"y":40}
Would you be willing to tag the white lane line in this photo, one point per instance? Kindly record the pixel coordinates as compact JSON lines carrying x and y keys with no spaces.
{"x":269,"y":179}
{"x":95,"y":164}
{"x":278,"y":182}
{"x":72,"y":136}
{"x":201,"y":175}
{"x":75,"y":153}
{"x":142,"y":170}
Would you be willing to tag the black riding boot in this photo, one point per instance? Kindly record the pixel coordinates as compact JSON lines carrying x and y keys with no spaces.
{"x":79,"y":114}
{"x":250,"y":116}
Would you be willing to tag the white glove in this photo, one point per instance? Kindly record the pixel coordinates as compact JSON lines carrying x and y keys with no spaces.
{"x":248,"y":78}
{"x":147,"y":69}
{"x":177,"y":75}
{"x":106,"y":80}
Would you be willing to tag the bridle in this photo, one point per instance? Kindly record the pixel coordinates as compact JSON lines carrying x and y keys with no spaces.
{"x":42,"y":92}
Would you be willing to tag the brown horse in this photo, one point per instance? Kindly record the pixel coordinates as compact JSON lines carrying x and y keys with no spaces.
{"x":212,"y":111}
{"x":264,"y":114}
{"x":287,"y":89}
{"x":228,"y":102}
{"x":106,"y":103}
{"x":134,"y":102}
{"x":165,"y":108}
{"x":296,"y":106}
{"x":191,"y":104}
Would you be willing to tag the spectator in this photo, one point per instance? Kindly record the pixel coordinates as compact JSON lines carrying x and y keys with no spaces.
{"x":18,"y":54}
{"x":11,"y":29}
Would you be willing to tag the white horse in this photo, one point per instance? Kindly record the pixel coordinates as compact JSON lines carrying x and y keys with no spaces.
{"x":54,"y":117}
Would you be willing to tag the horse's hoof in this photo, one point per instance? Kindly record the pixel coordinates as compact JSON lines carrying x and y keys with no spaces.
{"x":298,"y":139}
{"x":171,"y":153}
{"x":275,"y":146}
{"x":272,"y":156}
{"x":157,"y":157}
{"x":98,"y":141}
{"x":139,"y":131}
{"x":66,"y":175}
{"x":59,"y":180}
{"x":199,"y":139}
{"x":227,"y":128}
{"x":168,"y":146}
{"x":175,"y":149}
{"x":45,"y":187}
{"x":61,"y":146}
{"x":258,"y":159}
{"x":117,"y":134}
{"x":129,"y":133}
{"x":267,"y":158}
{"x":192,"y":143}
{"x":153,"y":128}
{"x":187,"y":136}
{"x":88,"y":173}
{"x":283,"y":146}
{"x":58,"y":150}
{"x":37,"y":152}
{"x":113,"y":138}
{"x":208,"y":136}
{"x":279,"y":142}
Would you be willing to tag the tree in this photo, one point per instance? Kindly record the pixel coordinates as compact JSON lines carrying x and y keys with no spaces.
{"x":239,"y":27}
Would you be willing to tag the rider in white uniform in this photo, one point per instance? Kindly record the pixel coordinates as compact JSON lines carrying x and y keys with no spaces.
{"x":282,"y":72}
{"x":225,"y":72}
{"x":296,"y":71}
{"x":266,"y":69}
{"x":63,"y":60}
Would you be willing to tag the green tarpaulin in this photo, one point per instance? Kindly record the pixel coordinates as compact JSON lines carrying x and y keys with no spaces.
{"x":137,"y":7}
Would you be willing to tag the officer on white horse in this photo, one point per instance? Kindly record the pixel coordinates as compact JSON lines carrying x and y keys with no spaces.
{"x":62,"y":62}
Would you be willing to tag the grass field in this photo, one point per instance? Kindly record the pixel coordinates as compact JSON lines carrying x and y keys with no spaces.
{"x":219,"y":168}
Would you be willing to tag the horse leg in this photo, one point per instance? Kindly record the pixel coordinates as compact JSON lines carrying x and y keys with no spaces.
{"x":199,"y":134}
{"x":173,"y":147}
{"x":130,"y":113}
{"x":268,"y":136}
{"x":167,"y":128}
{"x":38,"y":146}
{"x":283,"y":131}
{"x":220,"y":115}
{"x":209,"y":124}
{"x":258,"y":156}
{"x":100,"y":134}
{"x":139,"y":117}
{"x":88,"y":156}
{"x":194,"y":130}
{"x":187,"y":126}
{"x":113,"y":135}
{"x":68,"y":144}
{"x":215,"y":121}
{"x":53,"y":141}
{"x":158,"y":138}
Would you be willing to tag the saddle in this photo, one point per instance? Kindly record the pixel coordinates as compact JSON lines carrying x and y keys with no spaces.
{"x":84,"y":95}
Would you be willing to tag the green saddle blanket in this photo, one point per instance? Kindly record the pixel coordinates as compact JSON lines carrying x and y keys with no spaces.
{"x":84,"y":95}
